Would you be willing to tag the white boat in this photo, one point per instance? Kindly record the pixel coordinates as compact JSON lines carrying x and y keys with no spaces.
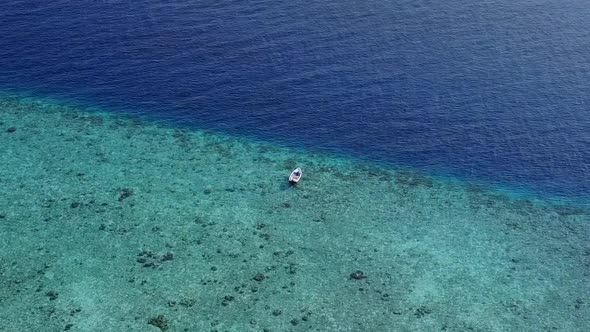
{"x":295,"y":176}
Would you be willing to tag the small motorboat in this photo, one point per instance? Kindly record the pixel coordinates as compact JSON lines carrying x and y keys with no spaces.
{"x":295,"y":176}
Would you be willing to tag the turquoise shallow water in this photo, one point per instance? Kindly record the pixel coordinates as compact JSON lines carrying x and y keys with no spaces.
{"x":116,"y":223}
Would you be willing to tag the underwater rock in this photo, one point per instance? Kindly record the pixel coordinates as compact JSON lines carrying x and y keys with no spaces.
{"x":422,"y":311}
{"x":52,"y":294}
{"x":167,"y":256}
{"x":227,"y":299}
{"x":160,"y":322}
{"x":358,"y":275}
{"x":151,"y":259}
{"x":187,"y":302}
{"x":125,"y":193}
{"x":259,"y":277}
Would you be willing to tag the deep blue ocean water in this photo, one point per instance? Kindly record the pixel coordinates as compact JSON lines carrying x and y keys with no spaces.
{"x":496,"y":90}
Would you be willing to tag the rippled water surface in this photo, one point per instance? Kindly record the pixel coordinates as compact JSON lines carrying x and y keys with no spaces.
{"x":494,"y":91}
{"x":145,"y":147}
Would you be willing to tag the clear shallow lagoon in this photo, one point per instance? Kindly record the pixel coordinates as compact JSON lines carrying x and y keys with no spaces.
{"x":114,"y":223}
{"x":144,"y":148}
